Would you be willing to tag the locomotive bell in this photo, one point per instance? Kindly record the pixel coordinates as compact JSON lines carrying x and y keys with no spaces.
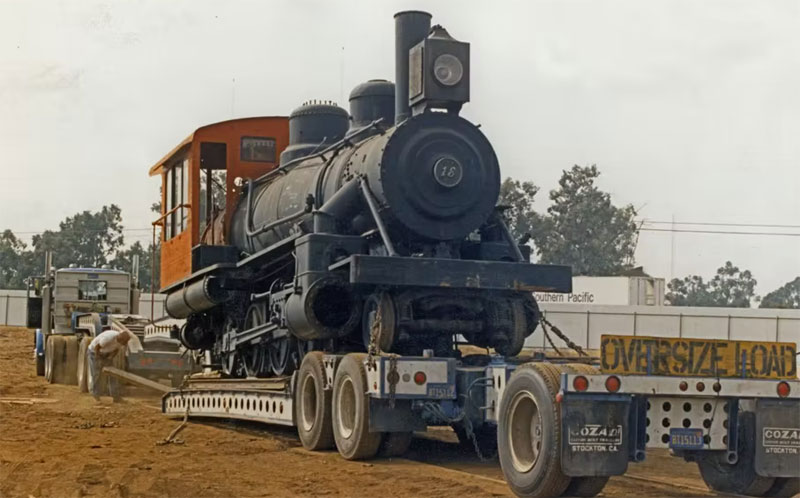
{"x":438,"y":72}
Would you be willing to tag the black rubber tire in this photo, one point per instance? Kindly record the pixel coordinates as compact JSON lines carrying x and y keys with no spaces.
{"x":784,"y":487}
{"x":70,"y":370}
{"x":48,"y":358}
{"x":39,"y":365}
{"x":350,"y":410}
{"x":739,"y":478}
{"x":519,"y":329}
{"x":584,"y":486}
{"x":315,"y":429}
{"x":542,"y":476}
{"x":57,"y":356}
{"x":83,"y":364}
{"x":395,"y":444}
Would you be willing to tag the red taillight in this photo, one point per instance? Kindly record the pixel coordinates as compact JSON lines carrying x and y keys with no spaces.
{"x":683,"y":385}
{"x":613,"y":384}
{"x":580,"y":383}
{"x":783,"y":389}
{"x":701,"y":387}
{"x":419,"y":378}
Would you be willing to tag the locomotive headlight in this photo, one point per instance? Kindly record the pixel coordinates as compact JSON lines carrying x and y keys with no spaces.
{"x":448,"y":69}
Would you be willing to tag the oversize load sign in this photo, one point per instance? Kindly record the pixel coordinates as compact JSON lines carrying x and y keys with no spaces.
{"x":697,"y":357}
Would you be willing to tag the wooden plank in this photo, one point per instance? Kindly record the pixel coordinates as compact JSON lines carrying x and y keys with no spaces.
{"x":26,"y":401}
{"x":638,"y":355}
{"x":136,"y":380}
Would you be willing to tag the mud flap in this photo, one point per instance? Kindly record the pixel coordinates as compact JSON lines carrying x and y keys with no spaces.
{"x":383,"y":417}
{"x":595,"y":439}
{"x":778,"y":436}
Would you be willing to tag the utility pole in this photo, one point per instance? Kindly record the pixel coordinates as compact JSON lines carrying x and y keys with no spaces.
{"x":672,"y":250}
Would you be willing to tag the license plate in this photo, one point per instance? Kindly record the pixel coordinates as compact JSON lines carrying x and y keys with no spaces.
{"x":686,"y":439}
{"x":697,"y":357}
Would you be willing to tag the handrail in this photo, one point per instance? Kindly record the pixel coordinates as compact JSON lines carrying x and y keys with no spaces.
{"x":283,"y":168}
{"x":160,"y":219}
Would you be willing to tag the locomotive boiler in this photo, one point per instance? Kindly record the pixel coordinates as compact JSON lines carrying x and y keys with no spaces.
{"x":377,"y":231}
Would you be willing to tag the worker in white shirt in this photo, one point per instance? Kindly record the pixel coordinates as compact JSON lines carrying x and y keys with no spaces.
{"x":102,"y":351}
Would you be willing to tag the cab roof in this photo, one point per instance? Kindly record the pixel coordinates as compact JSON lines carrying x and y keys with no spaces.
{"x":157,"y":167}
{"x":90,"y":270}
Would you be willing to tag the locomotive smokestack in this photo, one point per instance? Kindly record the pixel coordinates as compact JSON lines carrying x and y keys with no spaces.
{"x":410,"y":28}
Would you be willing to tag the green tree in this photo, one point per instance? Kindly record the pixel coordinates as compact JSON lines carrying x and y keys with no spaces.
{"x":124,"y":261}
{"x":583,"y":229}
{"x":517,"y":200}
{"x":689,"y":291}
{"x":787,"y":296}
{"x":730,"y":287}
{"x":13,"y":261}
{"x":86,"y":239}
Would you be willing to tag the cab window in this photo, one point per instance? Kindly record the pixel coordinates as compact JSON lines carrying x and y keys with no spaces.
{"x":92,"y":290}
{"x":177,"y":194}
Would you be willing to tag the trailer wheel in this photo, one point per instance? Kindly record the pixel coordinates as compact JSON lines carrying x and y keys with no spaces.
{"x":740,"y":477}
{"x":38,"y":347}
{"x":584,"y":486}
{"x":55,"y":359}
{"x":784,"y":487}
{"x":48,"y":358}
{"x":83,"y":364}
{"x":40,"y":365}
{"x":395,"y":444}
{"x":529,"y":432}
{"x":313,"y":404}
{"x":351,"y":410}
{"x":69,"y":369}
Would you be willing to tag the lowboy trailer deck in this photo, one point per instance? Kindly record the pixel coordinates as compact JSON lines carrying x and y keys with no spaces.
{"x":558,"y":428}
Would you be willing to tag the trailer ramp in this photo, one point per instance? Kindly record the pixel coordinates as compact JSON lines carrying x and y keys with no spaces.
{"x":257,"y":400}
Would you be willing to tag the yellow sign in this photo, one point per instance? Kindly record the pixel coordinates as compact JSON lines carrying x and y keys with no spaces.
{"x":635,"y":355}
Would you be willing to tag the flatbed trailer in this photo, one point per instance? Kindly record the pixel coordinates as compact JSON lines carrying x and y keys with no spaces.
{"x":558,"y":428}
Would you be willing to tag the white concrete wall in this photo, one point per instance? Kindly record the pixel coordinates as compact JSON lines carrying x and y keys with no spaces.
{"x":14,"y":307}
{"x":584,"y":324}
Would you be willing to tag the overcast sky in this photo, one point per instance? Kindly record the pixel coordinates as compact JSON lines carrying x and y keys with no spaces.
{"x":690,"y":109}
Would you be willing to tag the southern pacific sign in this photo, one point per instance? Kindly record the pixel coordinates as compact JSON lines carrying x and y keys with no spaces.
{"x":636,"y":355}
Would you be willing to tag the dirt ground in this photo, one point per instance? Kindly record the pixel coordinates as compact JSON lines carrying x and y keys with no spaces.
{"x":55,"y":441}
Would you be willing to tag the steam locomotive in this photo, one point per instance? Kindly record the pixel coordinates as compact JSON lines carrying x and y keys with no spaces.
{"x":377,"y":231}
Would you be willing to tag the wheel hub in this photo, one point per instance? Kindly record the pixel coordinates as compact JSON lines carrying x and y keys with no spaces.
{"x":346,"y":405}
{"x":525,"y":436}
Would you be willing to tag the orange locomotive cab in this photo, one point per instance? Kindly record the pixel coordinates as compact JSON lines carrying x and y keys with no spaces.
{"x":199,"y":191}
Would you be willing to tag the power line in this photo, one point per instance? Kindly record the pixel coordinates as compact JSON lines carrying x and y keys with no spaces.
{"x":719,"y":232}
{"x":708,"y":223}
{"x":34,"y":232}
